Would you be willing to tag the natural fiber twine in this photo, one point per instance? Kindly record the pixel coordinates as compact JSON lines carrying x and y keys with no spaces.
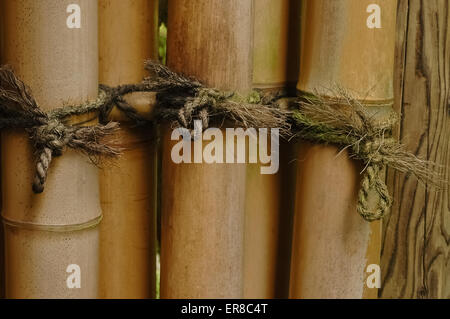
{"x":49,"y":132}
{"x":346,"y":122}
{"x":181,"y":100}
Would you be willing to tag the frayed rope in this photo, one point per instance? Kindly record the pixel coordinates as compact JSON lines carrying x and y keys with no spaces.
{"x":343,"y":121}
{"x":49,"y":132}
{"x":346,"y":122}
{"x":180,"y":99}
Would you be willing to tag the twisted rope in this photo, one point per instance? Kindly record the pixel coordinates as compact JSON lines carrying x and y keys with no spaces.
{"x":49,"y":132}
{"x":181,"y":99}
{"x":346,"y":122}
{"x":343,"y":121}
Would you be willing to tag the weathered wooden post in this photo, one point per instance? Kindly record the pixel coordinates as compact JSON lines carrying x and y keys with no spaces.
{"x":203,"y":204}
{"x":415,"y":254}
{"x":51,"y":238}
{"x":339,"y":47}
{"x":128,"y":37}
{"x":270,"y":198}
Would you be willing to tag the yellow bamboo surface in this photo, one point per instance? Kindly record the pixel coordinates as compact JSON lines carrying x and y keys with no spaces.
{"x":276,"y":43}
{"x":203,"y":204}
{"x":339,"y":49}
{"x":59,"y":64}
{"x":268,"y":227}
{"x":332,"y":244}
{"x":128,"y":37}
{"x":270,"y":198}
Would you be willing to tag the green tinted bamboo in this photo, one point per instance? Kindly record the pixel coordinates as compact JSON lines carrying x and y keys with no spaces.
{"x":59,"y":64}
{"x":332,"y":244}
{"x":270,"y":198}
{"x":127,"y":37}
{"x":203,"y":204}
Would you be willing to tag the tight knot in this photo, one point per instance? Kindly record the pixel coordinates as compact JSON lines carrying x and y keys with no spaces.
{"x":207,"y":97}
{"x":198,"y":106}
{"x":371,"y":150}
{"x":54,"y":135}
{"x":50,"y":140}
{"x":372,"y":183}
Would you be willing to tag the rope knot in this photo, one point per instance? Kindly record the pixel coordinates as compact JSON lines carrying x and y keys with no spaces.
{"x":204,"y":99}
{"x":208,"y":97}
{"x":53,"y":135}
{"x":50,"y":139}
{"x":372,"y":149}
{"x":373,"y":184}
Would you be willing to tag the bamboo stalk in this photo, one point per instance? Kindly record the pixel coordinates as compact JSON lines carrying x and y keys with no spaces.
{"x":332,"y":244}
{"x":48,"y":232}
{"x":127,"y":37}
{"x":203,"y":204}
{"x":270,"y":198}
{"x":276,"y":43}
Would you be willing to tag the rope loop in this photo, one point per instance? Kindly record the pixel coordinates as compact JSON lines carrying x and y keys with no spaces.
{"x":373,"y":183}
{"x":349,"y":124}
{"x":343,"y":121}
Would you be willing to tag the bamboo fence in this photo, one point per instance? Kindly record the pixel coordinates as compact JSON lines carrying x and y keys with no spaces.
{"x":226,"y":230}
{"x":128,"y":184}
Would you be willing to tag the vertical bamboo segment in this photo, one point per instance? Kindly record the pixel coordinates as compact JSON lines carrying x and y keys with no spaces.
{"x":270,"y":198}
{"x":46,"y":233}
{"x":203,"y":204}
{"x":331,"y":241}
{"x":276,"y":43}
{"x":127,"y":37}
{"x":339,"y":48}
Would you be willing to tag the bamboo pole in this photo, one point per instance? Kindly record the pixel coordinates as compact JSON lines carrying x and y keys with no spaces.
{"x":46,"y":233}
{"x":203,"y":204}
{"x":270,"y":198}
{"x":127,"y":37}
{"x":331,"y":241}
{"x":276,"y":43}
